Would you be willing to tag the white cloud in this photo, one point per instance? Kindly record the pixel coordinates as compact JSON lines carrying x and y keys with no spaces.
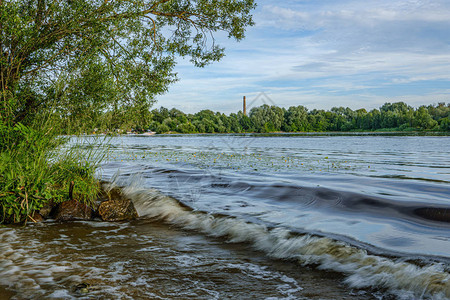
{"x":327,"y":53}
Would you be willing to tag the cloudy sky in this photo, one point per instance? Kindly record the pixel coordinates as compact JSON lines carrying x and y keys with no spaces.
{"x":325,"y":53}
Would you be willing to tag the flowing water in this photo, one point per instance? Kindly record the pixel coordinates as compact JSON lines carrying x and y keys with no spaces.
{"x":252,"y":217}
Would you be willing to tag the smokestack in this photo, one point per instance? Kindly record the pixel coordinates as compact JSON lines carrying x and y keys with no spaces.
{"x":245,"y":108}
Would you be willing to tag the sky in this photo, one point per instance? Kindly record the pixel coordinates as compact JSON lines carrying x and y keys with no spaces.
{"x":326,"y":53}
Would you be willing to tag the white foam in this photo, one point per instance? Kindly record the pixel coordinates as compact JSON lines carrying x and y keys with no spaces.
{"x":61,"y":294}
{"x":362,"y":270}
{"x":34,"y":276}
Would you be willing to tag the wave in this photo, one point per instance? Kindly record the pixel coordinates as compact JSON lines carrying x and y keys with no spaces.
{"x":420,"y":212}
{"x":318,"y":197}
{"x":406,"y":279}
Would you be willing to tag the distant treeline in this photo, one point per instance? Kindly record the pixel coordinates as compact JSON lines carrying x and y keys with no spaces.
{"x":390,"y":117}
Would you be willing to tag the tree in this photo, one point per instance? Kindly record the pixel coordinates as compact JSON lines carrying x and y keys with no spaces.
{"x":179,"y":115}
{"x":267,"y":118}
{"x":318,"y":120}
{"x":359,"y":120}
{"x":47,"y":49}
{"x":396,"y":114}
{"x":444,"y":124}
{"x":187,"y":128}
{"x":296,"y":119}
{"x":234,"y":123}
{"x":375,"y":119}
{"x":245,"y":122}
{"x":423,"y":120}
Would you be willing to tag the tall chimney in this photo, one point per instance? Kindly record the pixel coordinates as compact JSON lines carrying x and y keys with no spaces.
{"x":245,"y":108}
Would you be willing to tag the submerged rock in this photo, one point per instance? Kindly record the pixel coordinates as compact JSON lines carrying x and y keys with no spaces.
{"x":73,"y":210}
{"x":82,"y":288}
{"x":117,"y":210}
{"x":47,"y":209}
{"x":110,"y":205}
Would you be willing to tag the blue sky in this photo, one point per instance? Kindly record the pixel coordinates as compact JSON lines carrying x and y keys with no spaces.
{"x":321,"y":53}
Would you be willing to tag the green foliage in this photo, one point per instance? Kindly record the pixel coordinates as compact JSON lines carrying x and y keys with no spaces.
{"x":423,"y":119}
{"x":92,"y":65}
{"x":84,"y":57}
{"x":33,"y":171}
{"x":267,"y":118}
{"x":390,"y":117}
{"x":444,"y":124}
{"x":296,"y":119}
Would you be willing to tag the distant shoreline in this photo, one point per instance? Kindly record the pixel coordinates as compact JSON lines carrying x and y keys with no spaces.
{"x":283,"y":133}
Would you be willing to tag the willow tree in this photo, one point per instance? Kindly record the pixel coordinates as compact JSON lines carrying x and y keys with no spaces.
{"x":97,"y":55}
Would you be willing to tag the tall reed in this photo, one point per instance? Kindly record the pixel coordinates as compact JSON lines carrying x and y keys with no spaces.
{"x":37,"y":166}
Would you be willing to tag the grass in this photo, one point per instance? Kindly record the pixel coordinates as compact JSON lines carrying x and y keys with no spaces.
{"x":34,"y":171}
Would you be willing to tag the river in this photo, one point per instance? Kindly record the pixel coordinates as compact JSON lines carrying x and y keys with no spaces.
{"x":252,"y":217}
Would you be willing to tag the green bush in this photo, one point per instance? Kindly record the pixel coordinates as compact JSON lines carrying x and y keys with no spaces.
{"x":34,"y":172}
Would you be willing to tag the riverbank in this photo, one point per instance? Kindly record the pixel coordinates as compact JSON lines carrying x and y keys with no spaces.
{"x":283,"y":133}
{"x":38,"y":168}
{"x":110,"y":206}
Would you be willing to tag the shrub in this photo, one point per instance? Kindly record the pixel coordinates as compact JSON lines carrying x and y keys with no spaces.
{"x":33,"y":172}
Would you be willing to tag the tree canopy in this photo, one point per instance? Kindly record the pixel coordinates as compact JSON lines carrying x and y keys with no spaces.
{"x":267,"y":118}
{"x":78,"y":56}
